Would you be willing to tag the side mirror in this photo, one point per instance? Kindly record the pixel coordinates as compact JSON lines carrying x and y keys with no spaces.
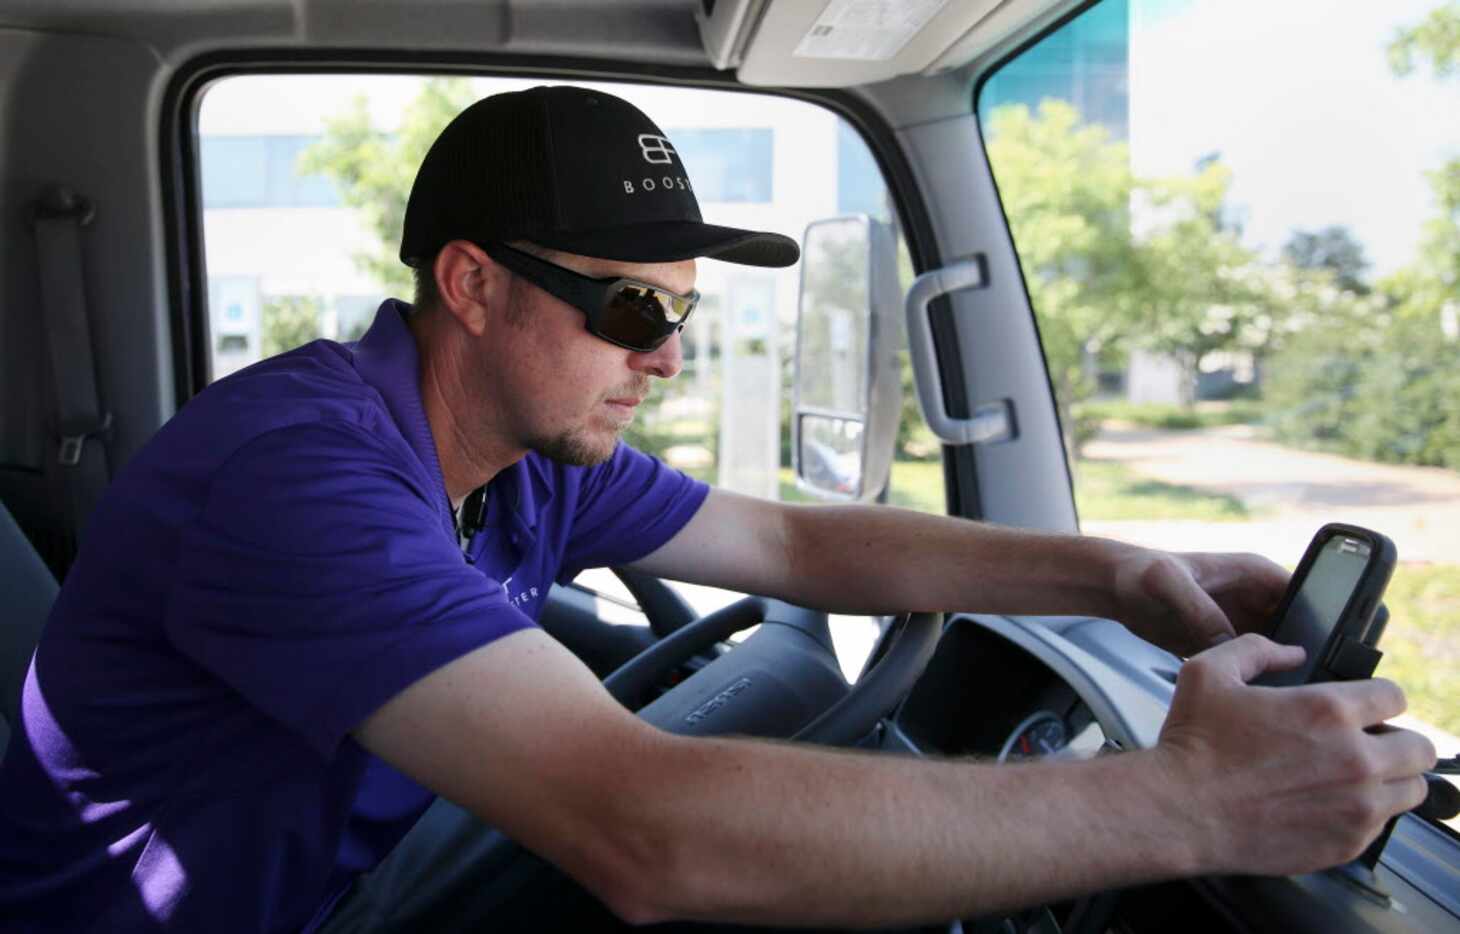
{"x":847,"y":393}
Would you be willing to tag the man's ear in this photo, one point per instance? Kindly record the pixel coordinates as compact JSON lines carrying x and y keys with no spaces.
{"x":469,"y":283}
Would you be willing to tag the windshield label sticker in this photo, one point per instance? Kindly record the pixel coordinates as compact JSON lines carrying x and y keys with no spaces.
{"x":866,"y":30}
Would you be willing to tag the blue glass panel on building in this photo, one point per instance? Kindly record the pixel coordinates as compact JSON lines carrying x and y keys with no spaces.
{"x":728,"y":164}
{"x":1085,"y":62}
{"x":262,"y":172}
{"x":291,"y":187}
{"x":235,"y":171}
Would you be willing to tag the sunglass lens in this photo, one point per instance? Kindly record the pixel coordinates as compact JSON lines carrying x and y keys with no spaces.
{"x":641,"y":317}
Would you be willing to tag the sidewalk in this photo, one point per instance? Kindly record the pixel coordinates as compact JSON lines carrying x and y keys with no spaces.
{"x":1290,"y":492}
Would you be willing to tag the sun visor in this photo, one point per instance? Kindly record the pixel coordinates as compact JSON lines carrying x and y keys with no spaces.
{"x":841,"y":43}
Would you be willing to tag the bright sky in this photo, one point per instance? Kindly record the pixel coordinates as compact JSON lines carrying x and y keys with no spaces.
{"x":1298,"y":98}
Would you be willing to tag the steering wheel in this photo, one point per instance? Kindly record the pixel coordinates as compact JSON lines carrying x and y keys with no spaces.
{"x":783,"y":682}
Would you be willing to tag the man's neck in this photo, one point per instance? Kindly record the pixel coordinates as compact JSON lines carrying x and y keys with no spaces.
{"x":464,"y":446}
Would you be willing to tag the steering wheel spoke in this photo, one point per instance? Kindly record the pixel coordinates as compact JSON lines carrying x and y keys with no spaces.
{"x":783,"y":682}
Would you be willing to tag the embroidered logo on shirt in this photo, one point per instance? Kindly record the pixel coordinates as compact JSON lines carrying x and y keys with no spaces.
{"x":527,"y":595}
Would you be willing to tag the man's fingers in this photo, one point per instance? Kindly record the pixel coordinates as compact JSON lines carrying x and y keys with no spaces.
{"x":1402,"y":753}
{"x":1248,"y":587}
{"x":1403,"y":794}
{"x":1265,"y":585}
{"x":1222,"y":571}
{"x":1358,"y":703}
{"x":1248,"y":656}
{"x":1207,"y":624}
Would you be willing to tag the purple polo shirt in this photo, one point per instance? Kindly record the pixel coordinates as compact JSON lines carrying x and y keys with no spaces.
{"x":274,"y":565}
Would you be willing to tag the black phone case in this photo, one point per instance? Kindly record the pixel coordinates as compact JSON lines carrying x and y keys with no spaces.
{"x":1350,"y":654}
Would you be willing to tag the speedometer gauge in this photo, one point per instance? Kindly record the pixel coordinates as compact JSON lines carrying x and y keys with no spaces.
{"x":1036,"y":736}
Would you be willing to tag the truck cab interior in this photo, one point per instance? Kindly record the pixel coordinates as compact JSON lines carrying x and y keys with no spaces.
{"x":187,"y":188}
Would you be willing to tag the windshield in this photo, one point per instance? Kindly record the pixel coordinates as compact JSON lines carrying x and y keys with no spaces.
{"x":1239,"y":226}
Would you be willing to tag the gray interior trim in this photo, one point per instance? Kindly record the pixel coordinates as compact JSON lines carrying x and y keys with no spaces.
{"x":948,"y":157}
{"x":661,"y":31}
{"x":91,"y":128}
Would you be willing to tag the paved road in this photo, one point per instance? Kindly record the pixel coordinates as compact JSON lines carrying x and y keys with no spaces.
{"x":1290,"y":492}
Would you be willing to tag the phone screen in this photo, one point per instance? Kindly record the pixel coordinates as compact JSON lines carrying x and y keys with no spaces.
{"x":1319,"y":604}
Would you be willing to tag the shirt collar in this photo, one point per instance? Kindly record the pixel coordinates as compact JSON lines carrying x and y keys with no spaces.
{"x":386,"y":357}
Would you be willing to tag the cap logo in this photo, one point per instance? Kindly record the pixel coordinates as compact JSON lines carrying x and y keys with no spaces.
{"x":656,"y":149}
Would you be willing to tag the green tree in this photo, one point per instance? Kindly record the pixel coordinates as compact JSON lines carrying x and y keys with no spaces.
{"x":1334,"y":248}
{"x":1426,"y":293}
{"x":1202,"y":291}
{"x":1374,"y":377}
{"x":1067,"y":188}
{"x":1114,"y":261}
{"x":1368,"y":381}
{"x":1435,"y":39}
{"x":374,"y":169}
{"x":289,"y":321}
{"x":1431,"y":284}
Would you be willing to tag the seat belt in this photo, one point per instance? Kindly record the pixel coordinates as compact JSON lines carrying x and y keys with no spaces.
{"x":82,"y":423}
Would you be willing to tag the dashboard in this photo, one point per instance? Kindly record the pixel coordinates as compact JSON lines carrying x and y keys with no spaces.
{"x":1014,"y":706}
{"x":1006,"y":688}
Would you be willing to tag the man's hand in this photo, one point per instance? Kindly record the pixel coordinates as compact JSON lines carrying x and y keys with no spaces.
{"x":1189,"y":602}
{"x":1290,"y":779}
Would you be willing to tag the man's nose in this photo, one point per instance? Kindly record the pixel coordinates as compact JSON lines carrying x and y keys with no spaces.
{"x":665,"y":361}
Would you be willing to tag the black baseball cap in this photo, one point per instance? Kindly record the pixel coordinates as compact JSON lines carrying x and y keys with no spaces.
{"x":572,"y":169}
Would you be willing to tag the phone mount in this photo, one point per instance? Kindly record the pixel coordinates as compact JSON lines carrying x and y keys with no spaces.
{"x":1354,"y":659}
{"x":1441,"y":803}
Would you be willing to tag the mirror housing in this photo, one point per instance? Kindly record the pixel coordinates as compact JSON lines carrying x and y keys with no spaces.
{"x":847,"y":394}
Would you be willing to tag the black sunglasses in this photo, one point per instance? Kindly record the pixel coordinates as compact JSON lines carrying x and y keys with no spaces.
{"x":632,"y":314}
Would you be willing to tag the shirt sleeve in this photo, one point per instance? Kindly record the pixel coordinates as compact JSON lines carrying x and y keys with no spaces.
{"x":628,"y":506}
{"x":318,"y":580}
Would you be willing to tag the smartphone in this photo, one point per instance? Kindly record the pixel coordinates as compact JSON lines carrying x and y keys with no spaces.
{"x":1331,"y":602}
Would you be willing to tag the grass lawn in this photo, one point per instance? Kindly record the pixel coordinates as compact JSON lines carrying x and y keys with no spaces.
{"x":1103,"y":490}
{"x":1107,"y":490}
{"x":1173,"y":417}
{"x":1422,"y":642}
{"x":915,"y":485}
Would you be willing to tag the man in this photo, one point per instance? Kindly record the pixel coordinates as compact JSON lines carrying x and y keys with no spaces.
{"x":274,"y":647}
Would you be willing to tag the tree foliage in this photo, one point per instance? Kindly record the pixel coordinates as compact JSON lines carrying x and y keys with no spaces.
{"x":1368,"y":383}
{"x":1434,"y":278}
{"x":1334,"y":248}
{"x":289,"y":321}
{"x":1380,"y":381}
{"x":1066,"y":188}
{"x":374,"y":169}
{"x":1435,"y":40}
{"x":1203,"y":291}
{"x":1114,"y":261}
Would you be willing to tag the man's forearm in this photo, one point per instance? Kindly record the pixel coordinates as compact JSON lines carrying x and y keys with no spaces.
{"x":862,"y":559}
{"x":758,"y":832}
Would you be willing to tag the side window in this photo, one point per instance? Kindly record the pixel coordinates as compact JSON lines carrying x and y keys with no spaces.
{"x":1245,"y":282}
{"x":304,"y":182}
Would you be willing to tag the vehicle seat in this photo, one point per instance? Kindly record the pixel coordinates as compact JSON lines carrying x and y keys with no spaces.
{"x":29,"y":591}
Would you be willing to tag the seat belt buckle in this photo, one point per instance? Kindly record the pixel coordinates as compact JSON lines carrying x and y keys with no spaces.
{"x":74,"y":435}
{"x":58,"y":201}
